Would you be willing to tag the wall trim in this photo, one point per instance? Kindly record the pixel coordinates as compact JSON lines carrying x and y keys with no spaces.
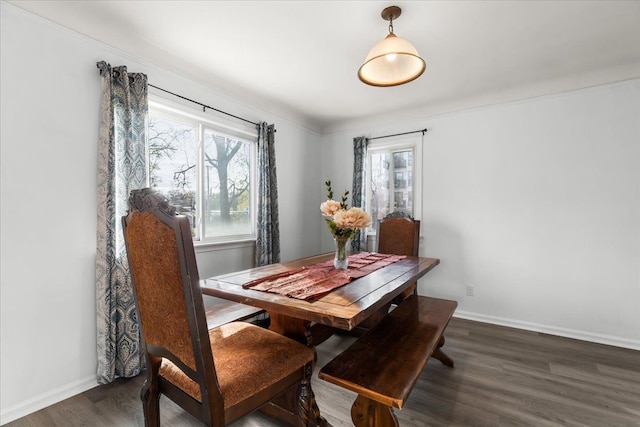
{"x":49,"y":398}
{"x":59,"y":394}
{"x":552,"y":330}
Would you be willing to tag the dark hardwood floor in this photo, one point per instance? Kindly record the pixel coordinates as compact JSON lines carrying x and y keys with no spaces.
{"x":502,"y":377}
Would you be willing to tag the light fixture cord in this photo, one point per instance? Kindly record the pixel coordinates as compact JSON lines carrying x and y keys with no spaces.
{"x":391,"y":25}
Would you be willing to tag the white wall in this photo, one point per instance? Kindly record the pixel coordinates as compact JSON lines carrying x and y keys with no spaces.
{"x":49,"y":128}
{"x":537,"y":205}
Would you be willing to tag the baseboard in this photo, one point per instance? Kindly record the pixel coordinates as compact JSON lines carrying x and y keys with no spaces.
{"x":552,"y":330}
{"x":46,"y":399}
{"x":57,"y":395}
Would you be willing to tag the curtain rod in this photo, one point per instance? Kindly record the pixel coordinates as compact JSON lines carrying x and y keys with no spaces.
{"x":398,"y":134}
{"x":204,"y":107}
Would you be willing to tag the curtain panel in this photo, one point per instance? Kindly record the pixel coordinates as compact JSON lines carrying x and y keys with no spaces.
{"x":268,"y":226}
{"x":122,"y":167}
{"x":358,"y":193}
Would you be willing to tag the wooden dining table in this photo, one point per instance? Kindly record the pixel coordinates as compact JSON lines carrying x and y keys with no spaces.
{"x":312,"y":321}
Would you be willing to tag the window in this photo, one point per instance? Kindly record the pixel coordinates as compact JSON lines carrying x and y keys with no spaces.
{"x":205,"y":169}
{"x":390,"y":171}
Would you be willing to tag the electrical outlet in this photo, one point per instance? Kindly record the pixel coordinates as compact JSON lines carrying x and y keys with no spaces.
{"x":470,"y":290}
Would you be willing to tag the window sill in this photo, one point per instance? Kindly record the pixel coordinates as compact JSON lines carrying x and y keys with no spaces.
{"x":222,"y":245}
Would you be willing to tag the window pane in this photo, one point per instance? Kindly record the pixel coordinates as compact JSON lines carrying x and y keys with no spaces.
{"x":403,"y":185}
{"x":227,"y":178}
{"x":380,"y":178}
{"x":172,"y":164}
{"x":391,"y":183}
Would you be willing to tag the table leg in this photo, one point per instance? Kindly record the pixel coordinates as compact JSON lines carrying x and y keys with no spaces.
{"x":286,"y":407}
{"x":291,"y":327}
{"x":290,"y":402}
{"x":370,"y":321}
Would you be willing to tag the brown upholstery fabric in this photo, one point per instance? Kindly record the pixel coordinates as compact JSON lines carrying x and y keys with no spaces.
{"x":396,"y":236}
{"x":247,"y":358}
{"x":155,"y":267}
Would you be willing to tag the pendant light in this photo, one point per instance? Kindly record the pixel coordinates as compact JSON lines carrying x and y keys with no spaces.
{"x":393,"y":61}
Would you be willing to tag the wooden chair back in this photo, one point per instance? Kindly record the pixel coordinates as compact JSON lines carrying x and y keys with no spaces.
{"x":168,"y":295}
{"x":399,"y":234}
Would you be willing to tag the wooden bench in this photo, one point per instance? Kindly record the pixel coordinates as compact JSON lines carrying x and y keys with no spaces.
{"x":383,"y":365}
{"x":220,"y":311}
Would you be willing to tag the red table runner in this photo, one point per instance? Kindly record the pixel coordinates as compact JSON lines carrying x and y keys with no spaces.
{"x":317,"y":279}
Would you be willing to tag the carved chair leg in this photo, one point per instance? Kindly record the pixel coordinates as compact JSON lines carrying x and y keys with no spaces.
{"x":150,"y":394}
{"x":308,"y":411}
{"x":440,"y":355}
{"x":369,"y":413}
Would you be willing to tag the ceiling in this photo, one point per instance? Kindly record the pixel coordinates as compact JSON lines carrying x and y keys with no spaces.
{"x":300,"y":59}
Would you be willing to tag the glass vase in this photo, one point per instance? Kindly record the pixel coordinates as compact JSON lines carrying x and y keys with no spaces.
{"x":340,"y":261}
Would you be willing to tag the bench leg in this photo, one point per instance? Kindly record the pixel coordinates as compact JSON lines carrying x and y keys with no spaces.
{"x":369,"y":413}
{"x":440,"y":355}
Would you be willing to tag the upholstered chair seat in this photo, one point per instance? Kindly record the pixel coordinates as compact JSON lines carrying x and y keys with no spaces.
{"x":242,"y":371}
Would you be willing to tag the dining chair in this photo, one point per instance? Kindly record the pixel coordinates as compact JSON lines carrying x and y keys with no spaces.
{"x":399,"y":234}
{"x":217,"y":375}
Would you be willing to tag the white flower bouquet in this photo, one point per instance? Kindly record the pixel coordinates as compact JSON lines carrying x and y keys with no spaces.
{"x":342,"y":220}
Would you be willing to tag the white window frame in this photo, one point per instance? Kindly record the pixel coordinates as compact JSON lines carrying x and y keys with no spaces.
{"x":400,"y":143}
{"x":208,"y":121}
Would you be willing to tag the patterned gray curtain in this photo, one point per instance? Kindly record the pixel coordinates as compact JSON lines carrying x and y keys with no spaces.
{"x":268,"y":229}
{"x":122,"y":167}
{"x":358,"y":193}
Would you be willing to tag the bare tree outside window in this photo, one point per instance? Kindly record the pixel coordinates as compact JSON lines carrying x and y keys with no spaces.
{"x":172,"y":163}
{"x":227,"y":184}
{"x":205,"y":173}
